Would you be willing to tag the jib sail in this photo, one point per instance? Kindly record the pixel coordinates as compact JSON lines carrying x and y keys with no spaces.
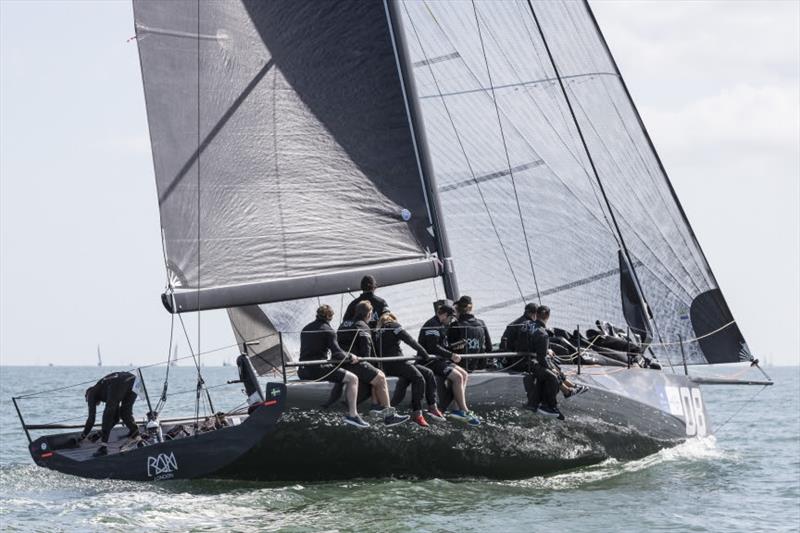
{"x":529,"y":217}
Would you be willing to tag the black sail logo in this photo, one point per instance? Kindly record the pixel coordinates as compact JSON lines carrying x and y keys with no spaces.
{"x":162,"y":466}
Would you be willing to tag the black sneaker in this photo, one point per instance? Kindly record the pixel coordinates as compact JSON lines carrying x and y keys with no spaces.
{"x":552,"y":412}
{"x":532,"y":408}
{"x":394,"y":420}
{"x":356,"y":421}
{"x":101,"y":451}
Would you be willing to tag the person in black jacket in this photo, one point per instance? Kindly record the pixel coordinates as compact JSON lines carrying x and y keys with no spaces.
{"x":469,"y":335}
{"x":444,"y":363}
{"x":379,"y":305}
{"x":388,"y":337}
{"x":356,"y":336}
{"x":116,"y":390}
{"x":542,"y":393}
{"x":509,"y":341}
{"x":317,"y":341}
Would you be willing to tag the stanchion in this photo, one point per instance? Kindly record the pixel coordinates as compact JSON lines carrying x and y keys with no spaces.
{"x":683,"y":355}
{"x":628,"y":345}
{"x":283,"y":357}
{"x":578,"y":330}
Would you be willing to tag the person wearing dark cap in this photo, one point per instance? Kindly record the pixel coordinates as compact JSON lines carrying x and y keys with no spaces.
{"x":379,"y":305}
{"x":469,"y":335}
{"x":511,"y":336}
{"x":444,"y":363}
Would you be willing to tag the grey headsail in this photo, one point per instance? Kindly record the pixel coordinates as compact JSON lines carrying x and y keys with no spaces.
{"x":528,"y":217}
{"x":283,"y":156}
{"x":258,"y":338}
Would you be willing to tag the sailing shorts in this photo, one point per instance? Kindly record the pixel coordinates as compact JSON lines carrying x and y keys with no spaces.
{"x":441,"y":367}
{"x":322,"y":373}
{"x":364,"y":371}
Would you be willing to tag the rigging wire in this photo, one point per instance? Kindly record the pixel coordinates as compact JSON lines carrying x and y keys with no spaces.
{"x":508,"y":158}
{"x":591,"y":161}
{"x":199,"y":376}
{"x":466,"y":158}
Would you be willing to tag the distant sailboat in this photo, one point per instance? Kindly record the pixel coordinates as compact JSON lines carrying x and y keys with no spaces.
{"x":99,"y":357}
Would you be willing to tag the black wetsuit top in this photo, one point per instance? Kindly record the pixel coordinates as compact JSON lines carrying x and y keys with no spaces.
{"x":357,"y":338}
{"x":508,"y":342}
{"x":433,"y":337}
{"x":110,"y":388}
{"x":388,"y":341}
{"x":469,"y":335}
{"x":379,"y":307}
{"x":537,"y":341}
{"x":318,"y":339}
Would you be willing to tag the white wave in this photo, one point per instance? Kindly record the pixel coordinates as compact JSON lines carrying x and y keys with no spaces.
{"x":693,"y":450}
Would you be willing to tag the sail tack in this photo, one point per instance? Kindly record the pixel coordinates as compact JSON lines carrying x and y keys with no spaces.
{"x":283,"y":156}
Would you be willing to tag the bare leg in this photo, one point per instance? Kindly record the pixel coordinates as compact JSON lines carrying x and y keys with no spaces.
{"x":456,"y":380}
{"x":351,"y":392}
{"x":380,"y":389}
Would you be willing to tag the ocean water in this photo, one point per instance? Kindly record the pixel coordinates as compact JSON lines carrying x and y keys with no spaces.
{"x":744,"y":478}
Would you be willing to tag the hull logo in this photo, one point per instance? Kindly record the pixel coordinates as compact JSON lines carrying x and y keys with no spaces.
{"x":162,"y":466}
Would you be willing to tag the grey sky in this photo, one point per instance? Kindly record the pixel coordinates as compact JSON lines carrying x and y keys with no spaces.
{"x":718,"y":85}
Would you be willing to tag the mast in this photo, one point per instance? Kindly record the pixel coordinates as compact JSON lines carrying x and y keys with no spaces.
{"x":399,"y":44}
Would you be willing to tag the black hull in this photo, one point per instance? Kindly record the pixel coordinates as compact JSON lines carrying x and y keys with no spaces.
{"x":200,"y":456}
{"x":627,"y":414}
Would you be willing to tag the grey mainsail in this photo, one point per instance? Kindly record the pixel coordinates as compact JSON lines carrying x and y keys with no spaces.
{"x":283,"y":157}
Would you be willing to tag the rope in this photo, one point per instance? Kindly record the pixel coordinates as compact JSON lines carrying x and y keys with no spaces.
{"x":663,"y":344}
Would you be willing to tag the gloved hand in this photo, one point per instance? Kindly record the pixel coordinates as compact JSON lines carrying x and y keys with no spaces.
{"x":94,"y":436}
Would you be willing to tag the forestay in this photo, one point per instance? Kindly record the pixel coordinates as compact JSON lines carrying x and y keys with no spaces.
{"x":283,"y":155}
{"x":525,"y":214}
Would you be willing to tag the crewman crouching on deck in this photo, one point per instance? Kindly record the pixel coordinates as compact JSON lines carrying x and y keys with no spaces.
{"x":117,"y":391}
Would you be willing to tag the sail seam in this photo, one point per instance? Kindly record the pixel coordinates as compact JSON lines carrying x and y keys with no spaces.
{"x":513,"y":85}
{"x":492,"y":176}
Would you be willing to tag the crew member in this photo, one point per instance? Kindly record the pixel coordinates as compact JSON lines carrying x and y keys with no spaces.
{"x":379,"y":306}
{"x":509,"y":341}
{"x":469,"y":335}
{"x":542,"y":393}
{"x":116,"y":390}
{"x":317,"y":341}
{"x":444,"y":363}
{"x":357,"y":337}
{"x":388,"y":337}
